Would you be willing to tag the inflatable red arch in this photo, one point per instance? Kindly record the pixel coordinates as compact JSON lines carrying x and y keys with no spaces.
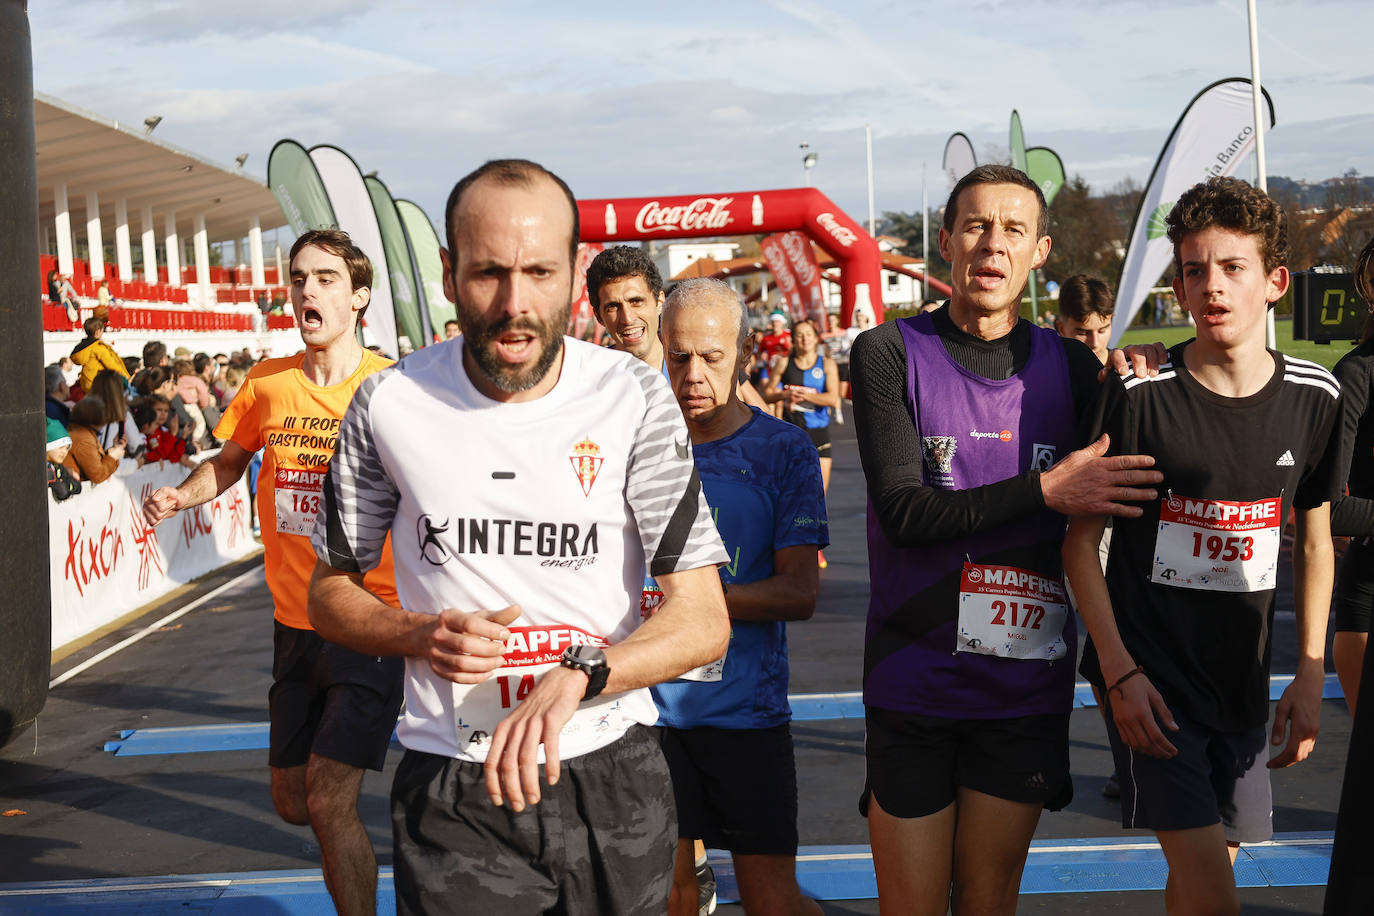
{"x":637,"y":219}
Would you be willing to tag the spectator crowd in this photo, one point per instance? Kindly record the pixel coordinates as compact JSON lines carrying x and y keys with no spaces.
{"x":110,"y":414}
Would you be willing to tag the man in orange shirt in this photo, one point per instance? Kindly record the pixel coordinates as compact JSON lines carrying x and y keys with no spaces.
{"x":332,"y":710}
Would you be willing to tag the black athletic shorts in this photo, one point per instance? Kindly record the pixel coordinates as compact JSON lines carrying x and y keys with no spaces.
{"x":916,"y":764}
{"x":820,"y":437}
{"x":330,"y":701}
{"x":735,"y":789}
{"x":1354,"y":593}
{"x":1216,"y":777}
{"x":600,"y":841}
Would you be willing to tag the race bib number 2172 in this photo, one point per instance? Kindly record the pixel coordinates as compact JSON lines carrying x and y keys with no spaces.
{"x":1011,"y":613}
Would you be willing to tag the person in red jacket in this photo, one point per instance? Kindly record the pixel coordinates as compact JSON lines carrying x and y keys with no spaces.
{"x":158,"y":443}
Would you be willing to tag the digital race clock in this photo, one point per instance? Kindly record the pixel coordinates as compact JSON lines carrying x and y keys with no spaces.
{"x":1326,"y":306}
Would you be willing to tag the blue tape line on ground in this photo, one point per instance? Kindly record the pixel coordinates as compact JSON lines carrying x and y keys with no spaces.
{"x":243,"y":736}
{"x":1062,"y":866}
{"x":1055,"y":866}
{"x":806,"y":707}
{"x":817,"y":707}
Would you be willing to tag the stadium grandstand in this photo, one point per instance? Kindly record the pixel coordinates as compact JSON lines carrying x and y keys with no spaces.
{"x":153,"y":213}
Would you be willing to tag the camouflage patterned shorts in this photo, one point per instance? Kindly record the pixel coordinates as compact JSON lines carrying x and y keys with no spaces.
{"x":601,"y":841}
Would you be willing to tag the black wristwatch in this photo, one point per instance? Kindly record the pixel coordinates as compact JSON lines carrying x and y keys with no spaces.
{"x":591,"y":661}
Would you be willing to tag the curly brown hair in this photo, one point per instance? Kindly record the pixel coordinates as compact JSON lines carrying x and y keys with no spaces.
{"x":1235,"y":205}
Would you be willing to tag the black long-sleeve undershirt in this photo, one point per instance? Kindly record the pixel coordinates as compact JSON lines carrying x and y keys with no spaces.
{"x":911,"y":513}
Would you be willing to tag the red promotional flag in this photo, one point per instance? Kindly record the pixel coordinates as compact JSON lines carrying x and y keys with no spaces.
{"x":775,"y":252}
{"x":808,"y":273}
{"x":582,"y":322}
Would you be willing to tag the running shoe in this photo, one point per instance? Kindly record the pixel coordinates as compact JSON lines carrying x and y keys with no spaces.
{"x":706,"y":889}
{"x":821,"y":560}
{"x":1112,"y":787}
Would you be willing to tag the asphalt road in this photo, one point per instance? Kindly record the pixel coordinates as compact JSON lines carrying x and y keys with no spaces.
{"x":85,"y":813}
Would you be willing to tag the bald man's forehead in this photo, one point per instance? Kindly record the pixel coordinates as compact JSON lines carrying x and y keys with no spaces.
{"x":712,"y":300}
{"x":541,"y":196}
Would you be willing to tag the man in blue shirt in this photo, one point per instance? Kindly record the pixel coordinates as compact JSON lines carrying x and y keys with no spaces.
{"x":726,"y":725}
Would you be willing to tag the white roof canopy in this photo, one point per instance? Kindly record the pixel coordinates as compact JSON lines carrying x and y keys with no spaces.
{"x":89,"y":153}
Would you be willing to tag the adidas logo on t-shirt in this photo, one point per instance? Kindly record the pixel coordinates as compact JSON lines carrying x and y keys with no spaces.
{"x":1285,"y":460}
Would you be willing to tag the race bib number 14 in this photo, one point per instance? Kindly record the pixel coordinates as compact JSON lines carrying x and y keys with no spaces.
{"x":530,"y":653}
{"x":1011,"y":613}
{"x":1218,"y":545}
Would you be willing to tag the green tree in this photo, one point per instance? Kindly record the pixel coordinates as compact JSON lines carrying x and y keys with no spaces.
{"x":1351,"y":203}
{"x":908,"y":227}
{"x":1083,"y":233}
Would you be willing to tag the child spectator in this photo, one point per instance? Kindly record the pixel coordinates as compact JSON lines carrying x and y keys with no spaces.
{"x":96,"y":462}
{"x":60,"y":448}
{"x":159,"y":444}
{"x":191,"y":384}
{"x":93,"y":354}
{"x":64,"y":479}
{"x":233,"y":380}
{"x":103,"y":300}
{"x":158,"y":380}
{"x":194,"y":393}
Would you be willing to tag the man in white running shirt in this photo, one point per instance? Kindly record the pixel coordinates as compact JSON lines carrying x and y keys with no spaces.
{"x":519,"y":591}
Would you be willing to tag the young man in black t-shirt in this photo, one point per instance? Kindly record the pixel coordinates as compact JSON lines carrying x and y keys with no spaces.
{"x":1180,"y":625}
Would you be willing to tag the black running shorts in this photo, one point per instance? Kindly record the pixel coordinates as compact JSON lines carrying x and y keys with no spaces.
{"x":1215,"y":777}
{"x":917,"y":764}
{"x":1354,"y":593}
{"x":600,"y":841}
{"x":736,"y":789}
{"x":820,"y":437}
{"x":330,"y":701}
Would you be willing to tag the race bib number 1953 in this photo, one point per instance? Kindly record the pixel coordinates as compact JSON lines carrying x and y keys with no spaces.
{"x":1011,"y":613}
{"x":1217,"y":544}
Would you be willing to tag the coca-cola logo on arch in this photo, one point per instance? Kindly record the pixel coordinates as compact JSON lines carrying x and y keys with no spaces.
{"x":842,"y":234}
{"x":702,"y":213}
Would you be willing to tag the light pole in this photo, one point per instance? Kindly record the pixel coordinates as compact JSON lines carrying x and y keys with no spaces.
{"x":808,"y":162}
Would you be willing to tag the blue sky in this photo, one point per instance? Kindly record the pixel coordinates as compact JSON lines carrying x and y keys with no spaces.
{"x":638,"y":99}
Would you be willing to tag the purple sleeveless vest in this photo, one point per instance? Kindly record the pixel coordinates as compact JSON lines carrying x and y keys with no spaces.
{"x":974,"y":431}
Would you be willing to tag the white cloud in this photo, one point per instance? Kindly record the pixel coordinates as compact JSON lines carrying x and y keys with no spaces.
{"x":629,"y":99}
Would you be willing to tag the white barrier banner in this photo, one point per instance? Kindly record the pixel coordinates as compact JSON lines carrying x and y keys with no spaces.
{"x":106,"y":561}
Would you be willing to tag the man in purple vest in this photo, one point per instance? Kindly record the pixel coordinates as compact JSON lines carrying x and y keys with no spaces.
{"x":966,"y":422}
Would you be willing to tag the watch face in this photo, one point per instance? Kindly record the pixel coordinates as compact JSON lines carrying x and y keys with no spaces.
{"x":587,"y":655}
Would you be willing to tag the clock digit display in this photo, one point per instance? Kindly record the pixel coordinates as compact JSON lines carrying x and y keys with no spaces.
{"x":1326,"y":306}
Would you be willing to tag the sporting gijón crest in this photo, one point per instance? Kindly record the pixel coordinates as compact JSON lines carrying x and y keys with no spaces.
{"x":586,"y":461}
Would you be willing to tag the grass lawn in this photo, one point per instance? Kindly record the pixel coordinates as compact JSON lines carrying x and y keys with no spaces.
{"x":1325,"y":354}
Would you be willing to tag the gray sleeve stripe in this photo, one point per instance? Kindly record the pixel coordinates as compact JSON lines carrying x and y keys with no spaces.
{"x":662,"y":486}
{"x":360,"y":498}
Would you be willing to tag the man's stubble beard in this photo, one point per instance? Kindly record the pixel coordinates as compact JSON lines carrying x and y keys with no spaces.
{"x":514,"y":379}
